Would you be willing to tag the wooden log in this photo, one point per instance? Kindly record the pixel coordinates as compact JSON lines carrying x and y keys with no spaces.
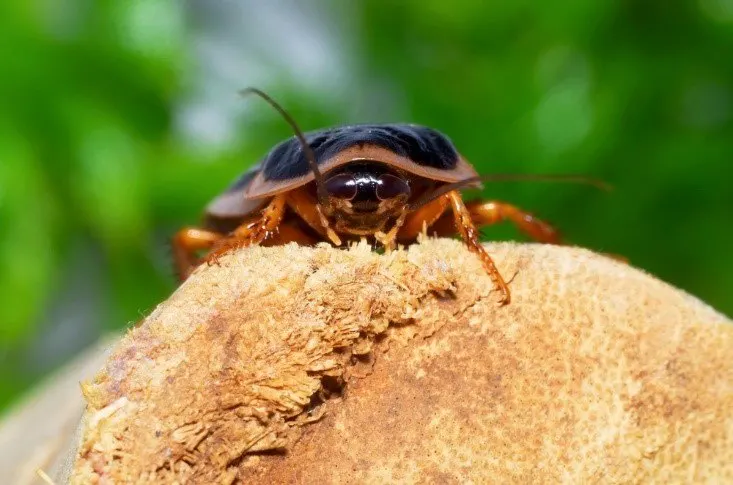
{"x":319,"y":365}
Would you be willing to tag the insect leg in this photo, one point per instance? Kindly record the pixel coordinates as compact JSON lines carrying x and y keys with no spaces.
{"x":388,"y":239}
{"x":308,"y":209}
{"x":464,"y":224}
{"x":185,"y":243}
{"x":484,"y":213}
{"x":491,"y":212}
{"x":425,"y":216}
{"x":251,"y":232}
{"x":290,"y":232}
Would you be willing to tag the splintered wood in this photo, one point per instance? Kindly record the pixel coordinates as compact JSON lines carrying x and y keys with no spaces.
{"x":320,"y":365}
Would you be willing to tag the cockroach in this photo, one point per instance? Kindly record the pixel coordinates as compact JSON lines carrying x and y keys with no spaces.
{"x":383,"y":182}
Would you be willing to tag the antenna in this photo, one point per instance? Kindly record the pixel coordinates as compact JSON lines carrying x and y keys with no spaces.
{"x":307,"y":150}
{"x":573,"y":179}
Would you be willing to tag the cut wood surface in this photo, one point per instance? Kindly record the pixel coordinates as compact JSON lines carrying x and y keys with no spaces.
{"x":320,"y":365}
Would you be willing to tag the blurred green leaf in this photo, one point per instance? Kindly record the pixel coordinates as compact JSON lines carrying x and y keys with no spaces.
{"x":28,"y":220}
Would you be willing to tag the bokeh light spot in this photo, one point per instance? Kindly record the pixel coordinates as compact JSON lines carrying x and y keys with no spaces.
{"x":718,"y":10}
{"x":563,"y":117}
{"x":706,"y":105}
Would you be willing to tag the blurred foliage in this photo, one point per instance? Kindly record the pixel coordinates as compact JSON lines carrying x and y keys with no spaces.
{"x":92,"y":162}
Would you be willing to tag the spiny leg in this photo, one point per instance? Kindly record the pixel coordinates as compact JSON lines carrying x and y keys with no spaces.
{"x":387,"y":239}
{"x":425,"y":216}
{"x":185,"y":244}
{"x":491,"y":212}
{"x":251,"y":232}
{"x":484,"y":213}
{"x":308,"y":209}
{"x":467,"y":230}
{"x":289,"y":232}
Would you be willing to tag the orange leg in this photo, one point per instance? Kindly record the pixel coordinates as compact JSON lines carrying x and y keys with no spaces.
{"x":466,"y":217}
{"x":304,"y":205}
{"x":467,"y":230}
{"x":491,"y":212}
{"x":387,"y":239}
{"x":425,"y":216}
{"x":253,"y":231}
{"x":287,"y":233}
{"x":308,"y":209}
{"x":185,"y":244}
{"x":485,"y":213}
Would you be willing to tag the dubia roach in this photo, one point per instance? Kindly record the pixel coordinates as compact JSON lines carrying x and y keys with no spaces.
{"x":383,"y":182}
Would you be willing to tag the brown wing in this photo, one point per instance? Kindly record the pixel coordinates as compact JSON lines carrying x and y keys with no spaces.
{"x":260,"y":187}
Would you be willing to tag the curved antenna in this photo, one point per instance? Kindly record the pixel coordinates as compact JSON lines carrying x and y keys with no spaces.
{"x":573,"y":179}
{"x":307,"y":150}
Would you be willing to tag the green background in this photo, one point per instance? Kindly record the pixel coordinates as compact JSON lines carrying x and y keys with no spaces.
{"x":120,"y":120}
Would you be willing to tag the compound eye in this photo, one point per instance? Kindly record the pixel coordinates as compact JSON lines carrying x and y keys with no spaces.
{"x":342,"y":186}
{"x":391,"y":186}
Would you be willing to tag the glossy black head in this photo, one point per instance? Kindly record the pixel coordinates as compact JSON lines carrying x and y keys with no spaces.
{"x":365,"y":196}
